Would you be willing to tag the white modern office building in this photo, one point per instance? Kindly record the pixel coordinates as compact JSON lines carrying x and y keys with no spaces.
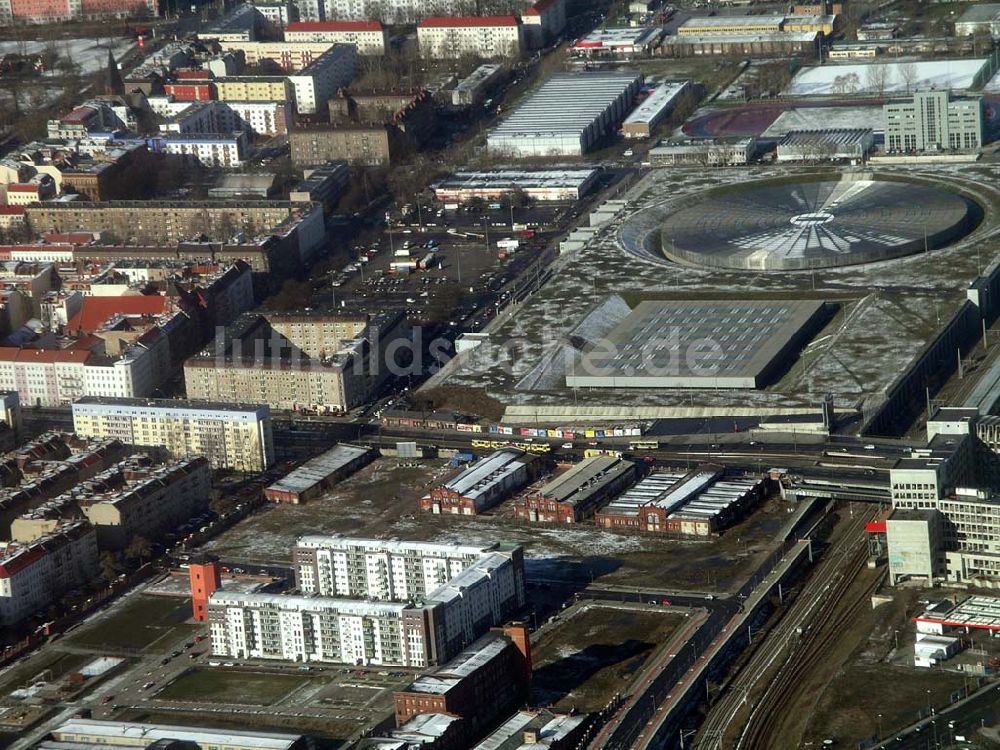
{"x":933,"y":121}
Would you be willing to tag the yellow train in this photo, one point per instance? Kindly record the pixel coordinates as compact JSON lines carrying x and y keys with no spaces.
{"x":496,"y":444}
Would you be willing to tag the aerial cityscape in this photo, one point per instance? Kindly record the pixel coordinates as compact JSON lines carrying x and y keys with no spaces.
{"x":499,"y":374}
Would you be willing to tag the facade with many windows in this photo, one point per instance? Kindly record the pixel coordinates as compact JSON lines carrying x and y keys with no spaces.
{"x":230,"y":436}
{"x":410,"y":604}
{"x":932,"y":121}
{"x":487,"y":37}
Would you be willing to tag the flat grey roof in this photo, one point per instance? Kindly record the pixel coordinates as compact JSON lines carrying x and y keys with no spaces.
{"x":494,"y":468}
{"x":656,"y":102}
{"x":980,"y":12}
{"x":318,"y":469}
{"x":502,"y":178}
{"x":694,"y":344}
{"x":566,"y":103}
{"x":153,"y":732}
{"x":585,"y":478}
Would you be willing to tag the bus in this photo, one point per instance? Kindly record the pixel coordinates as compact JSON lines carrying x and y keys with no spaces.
{"x":644,"y":445}
{"x":528,"y":447}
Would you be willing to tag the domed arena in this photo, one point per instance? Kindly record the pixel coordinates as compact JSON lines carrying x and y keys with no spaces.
{"x":801,"y":224}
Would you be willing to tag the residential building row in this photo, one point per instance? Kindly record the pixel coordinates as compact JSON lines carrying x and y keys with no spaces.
{"x":319,"y":364}
{"x":230,"y":436}
{"x":35,"y":574}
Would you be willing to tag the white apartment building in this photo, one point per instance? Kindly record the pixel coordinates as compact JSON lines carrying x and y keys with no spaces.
{"x":230,"y":436}
{"x":932,"y":121}
{"x":315,"y":84}
{"x":35,"y":574}
{"x":370,"y":37}
{"x":488,"y":37}
{"x":312,"y":629}
{"x":408,"y":616}
{"x":220,"y":150}
{"x":189,"y":118}
{"x":289,"y":56}
{"x":377,"y":569}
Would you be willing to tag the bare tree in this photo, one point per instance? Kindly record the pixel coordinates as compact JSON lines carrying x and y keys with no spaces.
{"x":907,"y":72}
{"x":876,"y":78}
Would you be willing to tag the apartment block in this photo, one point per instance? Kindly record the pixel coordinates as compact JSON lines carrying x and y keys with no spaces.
{"x":377,"y":569}
{"x":291,"y":57}
{"x":323,"y":77}
{"x":161,"y":502}
{"x":488,"y":37}
{"x":169,"y":220}
{"x":230,"y":436}
{"x":370,"y":37}
{"x":372,"y":146}
{"x":413,"y":630}
{"x":543,"y":22}
{"x":35,"y":574}
{"x":334,"y":376}
{"x":253,"y":89}
{"x":933,"y":121}
{"x":52,"y":11}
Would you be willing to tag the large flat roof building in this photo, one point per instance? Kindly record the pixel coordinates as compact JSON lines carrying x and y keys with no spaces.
{"x":567,"y":115}
{"x":700,"y":344}
{"x":317,"y":474}
{"x":82,"y":733}
{"x":650,"y":113}
{"x":981,"y":17}
{"x":540,"y":185}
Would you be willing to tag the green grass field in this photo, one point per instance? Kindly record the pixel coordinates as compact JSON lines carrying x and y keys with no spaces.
{"x":223,"y":686}
{"x":136,"y":623}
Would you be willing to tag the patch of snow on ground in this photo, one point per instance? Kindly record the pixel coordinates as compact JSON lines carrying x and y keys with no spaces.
{"x":859,"y":78}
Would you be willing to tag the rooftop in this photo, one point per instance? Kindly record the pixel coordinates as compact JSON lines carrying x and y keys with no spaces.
{"x":979,"y":612}
{"x":584,"y":478}
{"x":318,"y":469}
{"x":566,"y":103}
{"x":543,"y":178}
{"x":454,"y":22}
{"x":117,"y":730}
{"x":832,"y":136}
{"x":175,"y":405}
{"x":662,"y":97}
{"x":477,"y":479}
{"x":334,"y":26}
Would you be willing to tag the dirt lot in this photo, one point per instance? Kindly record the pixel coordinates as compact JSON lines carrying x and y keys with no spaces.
{"x":254,"y":688}
{"x":583,"y":661}
{"x":136,"y":623}
{"x":381,"y":501}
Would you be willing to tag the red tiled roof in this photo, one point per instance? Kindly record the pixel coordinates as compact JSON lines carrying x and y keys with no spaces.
{"x":20,"y":560}
{"x":537,"y":8}
{"x":451,"y":22}
{"x":20,"y":187}
{"x":16,"y":354}
{"x":192,"y":75}
{"x":97,"y":310}
{"x":11,"y":210}
{"x":334,"y":26}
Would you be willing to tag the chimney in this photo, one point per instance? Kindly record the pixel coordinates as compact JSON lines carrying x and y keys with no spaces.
{"x":518,"y":633}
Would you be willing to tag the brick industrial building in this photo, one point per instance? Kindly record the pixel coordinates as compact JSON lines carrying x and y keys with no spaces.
{"x":484,"y":484}
{"x":577,"y":493}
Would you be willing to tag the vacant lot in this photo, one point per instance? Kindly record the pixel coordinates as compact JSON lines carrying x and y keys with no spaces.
{"x":596,"y":652}
{"x":380,"y":501}
{"x":237,"y":686}
{"x":136,"y":623}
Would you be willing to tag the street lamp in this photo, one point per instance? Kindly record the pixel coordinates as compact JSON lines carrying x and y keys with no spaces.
{"x":880,"y":726}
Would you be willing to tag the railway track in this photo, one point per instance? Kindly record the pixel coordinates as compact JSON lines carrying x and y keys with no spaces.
{"x":763,"y":726}
{"x":816,"y":602}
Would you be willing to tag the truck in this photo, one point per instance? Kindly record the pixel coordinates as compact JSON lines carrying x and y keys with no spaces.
{"x":509,"y":244}
{"x":427,"y":261}
{"x":404,"y":266}
{"x":402,"y":252}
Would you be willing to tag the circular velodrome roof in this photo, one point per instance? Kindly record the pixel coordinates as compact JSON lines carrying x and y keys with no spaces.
{"x":792,"y":225}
